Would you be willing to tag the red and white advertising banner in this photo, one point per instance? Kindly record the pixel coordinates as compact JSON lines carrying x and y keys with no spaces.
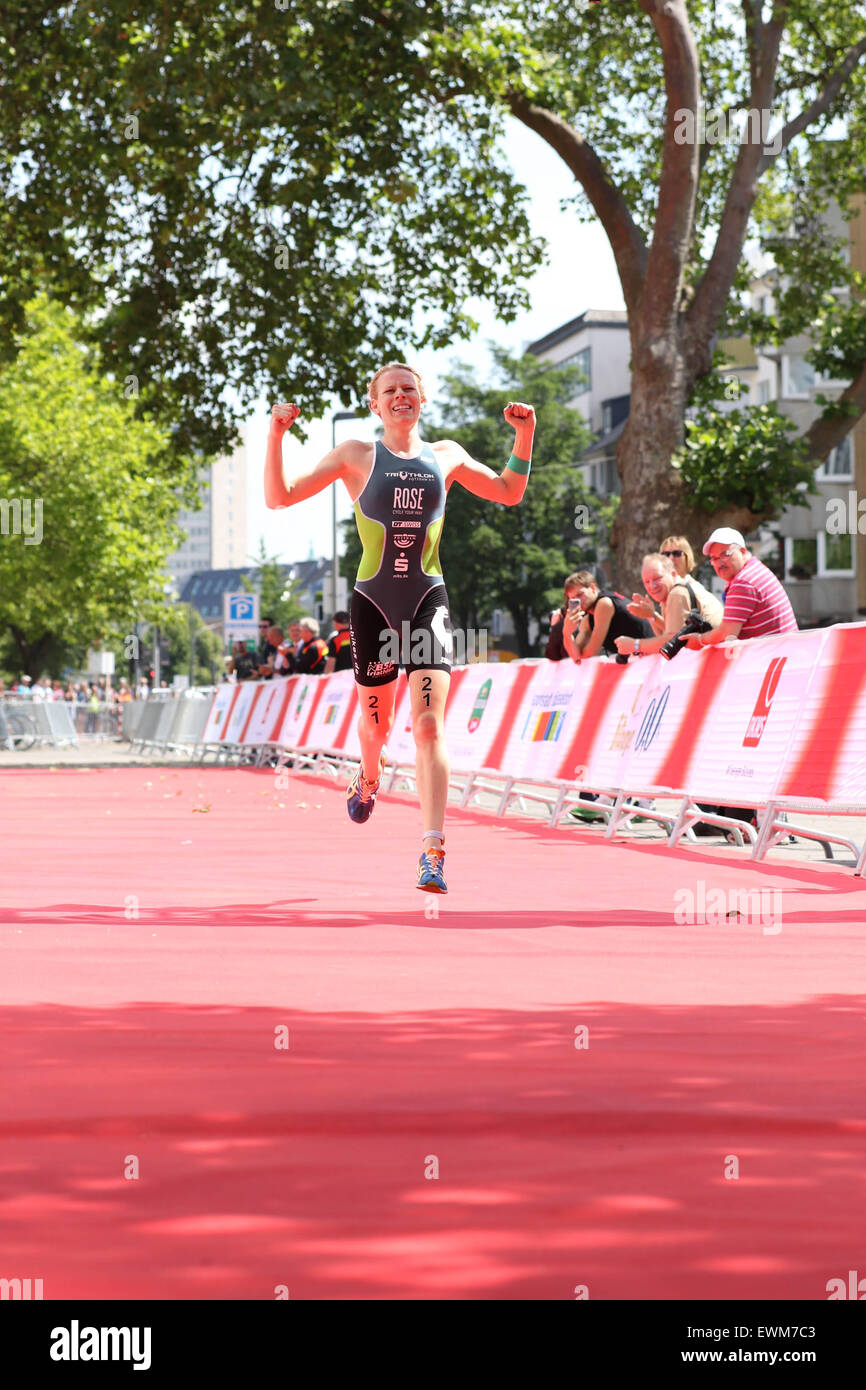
{"x":475,"y":713}
{"x":781,"y":716}
{"x":535,"y":726}
{"x":222,"y":702}
{"x":327,"y":724}
{"x":236,"y":721}
{"x":827,"y":758}
{"x":266,"y":715}
{"x":753,"y":717}
{"x":302,"y":694}
{"x":619,"y":702}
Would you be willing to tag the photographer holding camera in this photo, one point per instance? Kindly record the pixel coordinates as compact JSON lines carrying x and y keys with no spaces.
{"x":683,"y":602}
{"x":570,"y":611}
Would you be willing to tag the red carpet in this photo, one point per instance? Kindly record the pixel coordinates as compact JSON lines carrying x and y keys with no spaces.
{"x":412,"y":1040}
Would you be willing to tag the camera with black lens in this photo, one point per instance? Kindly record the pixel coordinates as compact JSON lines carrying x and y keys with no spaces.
{"x":693,"y":624}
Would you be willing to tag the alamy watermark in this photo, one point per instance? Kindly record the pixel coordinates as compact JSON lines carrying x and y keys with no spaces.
{"x":737,"y":126}
{"x":718,"y":907}
{"x":21,"y":1289}
{"x":430,"y":646}
{"x":22,"y":516}
{"x":846,"y":516}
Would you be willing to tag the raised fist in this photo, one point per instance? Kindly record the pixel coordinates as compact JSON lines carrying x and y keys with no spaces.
{"x":516,"y":413}
{"x":283,"y":416}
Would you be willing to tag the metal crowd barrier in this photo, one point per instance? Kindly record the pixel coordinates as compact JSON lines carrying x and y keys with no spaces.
{"x":28,"y":722}
{"x":99,"y":723}
{"x":169,"y":723}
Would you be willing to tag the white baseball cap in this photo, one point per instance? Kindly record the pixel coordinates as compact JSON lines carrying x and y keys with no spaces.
{"x":724,"y":536}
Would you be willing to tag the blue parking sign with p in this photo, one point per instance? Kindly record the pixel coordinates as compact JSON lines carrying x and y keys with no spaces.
{"x":240,"y":615}
{"x":242,"y":608}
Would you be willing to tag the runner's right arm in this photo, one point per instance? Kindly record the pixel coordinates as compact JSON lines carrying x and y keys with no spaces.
{"x":283,"y":492}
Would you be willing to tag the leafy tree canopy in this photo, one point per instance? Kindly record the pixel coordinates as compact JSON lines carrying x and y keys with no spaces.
{"x":100,"y":489}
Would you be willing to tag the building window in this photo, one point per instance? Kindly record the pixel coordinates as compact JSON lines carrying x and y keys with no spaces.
{"x":835,"y":555}
{"x":583,"y":360}
{"x":798,"y":377}
{"x":763,"y":392}
{"x":801,"y":557}
{"x":839,"y":463}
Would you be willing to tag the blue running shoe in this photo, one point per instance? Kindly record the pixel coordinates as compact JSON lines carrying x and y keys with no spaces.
{"x":431,"y":871}
{"x":361,"y":794}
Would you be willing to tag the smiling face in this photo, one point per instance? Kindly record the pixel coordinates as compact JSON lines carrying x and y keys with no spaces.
{"x":657,"y":579}
{"x":396,"y":396}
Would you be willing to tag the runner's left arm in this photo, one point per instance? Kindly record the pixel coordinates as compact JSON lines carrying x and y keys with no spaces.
{"x":509,"y":486}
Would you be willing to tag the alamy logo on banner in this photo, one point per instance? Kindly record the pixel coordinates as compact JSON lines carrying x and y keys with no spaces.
{"x":766,"y":695}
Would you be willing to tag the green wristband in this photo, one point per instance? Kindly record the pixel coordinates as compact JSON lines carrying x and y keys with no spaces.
{"x":517,"y":465}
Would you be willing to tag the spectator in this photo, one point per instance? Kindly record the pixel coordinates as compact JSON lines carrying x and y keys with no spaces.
{"x":676,"y":597}
{"x":603,"y":617}
{"x":124,"y":694}
{"x":313,"y":654}
{"x":243,"y":663}
{"x":278,"y":664}
{"x":39,"y":691}
{"x":295,"y":637}
{"x":678,"y":549}
{"x":555,"y":650}
{"x":92,"y":711}
{"x":266,"y":649}
{"x":756,"y":605}
{"x":339,"y":645}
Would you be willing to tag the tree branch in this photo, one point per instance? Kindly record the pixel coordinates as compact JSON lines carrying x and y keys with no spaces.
{"x":833,"y":83}
{"x":674,"y":223}
{"x":711,"y":294}
{"x":612,"y":210}
{"x":826,"y":434}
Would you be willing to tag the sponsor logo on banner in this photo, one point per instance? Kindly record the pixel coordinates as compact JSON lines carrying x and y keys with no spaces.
{"x":651,"y":721}
{"x":766,"y":695}
{"x":300,"y":705}
{"x":545,"y":718}
{"x":479,"y":706}
{"x":331,"y":714}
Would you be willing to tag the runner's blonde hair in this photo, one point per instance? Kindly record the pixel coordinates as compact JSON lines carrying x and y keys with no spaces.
{"x":391,"y":367}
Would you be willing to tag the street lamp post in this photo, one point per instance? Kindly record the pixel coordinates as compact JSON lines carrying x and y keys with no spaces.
{"x":338,"y":415}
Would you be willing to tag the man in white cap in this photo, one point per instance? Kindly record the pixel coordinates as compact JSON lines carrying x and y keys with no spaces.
{"x":756,"y":605}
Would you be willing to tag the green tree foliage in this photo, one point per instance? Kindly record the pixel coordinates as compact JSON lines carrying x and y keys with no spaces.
{"x":514,"y":558}
{"x":266,"y":196}
{"x":277,"y":196}
{"x":104,"y":486}
{"x":747,"y":458}
{"x":278,"y":597}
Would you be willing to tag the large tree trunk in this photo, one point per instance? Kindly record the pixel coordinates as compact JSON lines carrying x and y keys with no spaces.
{"x":653,"y":502}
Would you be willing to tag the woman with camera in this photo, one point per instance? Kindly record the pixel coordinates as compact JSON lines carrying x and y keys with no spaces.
{"x":676,"y":598}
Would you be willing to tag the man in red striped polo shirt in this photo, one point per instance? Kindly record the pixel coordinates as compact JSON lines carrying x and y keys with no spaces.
{"x":756,"y":605}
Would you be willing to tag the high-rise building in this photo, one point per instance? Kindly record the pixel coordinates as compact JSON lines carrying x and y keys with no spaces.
{"x":216,"y":533}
